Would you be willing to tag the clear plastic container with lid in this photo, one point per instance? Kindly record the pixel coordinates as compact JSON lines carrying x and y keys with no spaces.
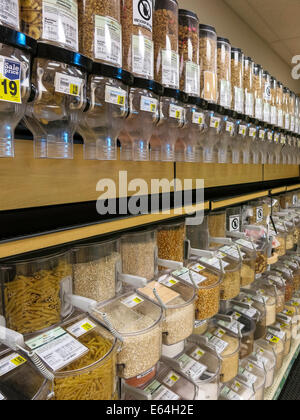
{"x":287,"y":275}
{"x":53,"y":22}
{"x":172,"y":120}
{"x":104,"y":117}
{"x":274,"y":103}
{"x":10,"y":14}
{"x":139,"y":254}
{"x":141,"y":120}
{"x":237,"y":80}
{"x":267,"y":97}
{"x":237,"y":390}
{"x":137,"y":320}
{"x":265,"y":357}
{"x":95,"y":270}
{"x":285,"y":328}
{"x":227,"y":346}
{"x":290,"y":314}
{"x":249,"y":86}
{"x":276,"y":340}
{"x":137,"y":38}
{"x":255,"y":376}
{"x":170,"y":241}
{"x":208,"y":63}
{"x":224,"y":72}
{"x":60,"y":77}
{"x":32,"y":291}
{"x":250,"y":298}
{"x":279,"y":100}
{"x":88,"y":371}
{"x":165,"y":36}
{"x":16,"y":58}
{"x":258,"y":92}
{"x":20,"y":381}
{"x":177,"y":299}
{"x":279,"y":288}
{"x":286,"y":108}
{"x":189,"y":53}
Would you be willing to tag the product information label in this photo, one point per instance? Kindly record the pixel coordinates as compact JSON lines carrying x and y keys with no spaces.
{"x":252,"y":132}
{"x":272,"y":338}
{"x":57,"y":348}
{"x":215,"y":262}
{"x":198,"y":118}
{"x":232,"y":252}
{"x":287,"y":121}
{"x":215,"y":341}
{"x":215,"y":122}
{"x":270,"y":136}
{"x":262,"y":134}
{"x":259,"y":109}
{"x":142,"y":13}
{"x":198,"y":353}
{"x":233,"y":326}
{"x":267,"y":112}
{"x":229,"y":127}
{"x":10,"y":80}
{"x":9,"y":13}
{"x":259,"y":214}
{"x":251,"y":313}
{"x":199,"y":324}
{"x":108,"y":40}
{"x":198,"y":268}
{"x":243,"y":130}
{"x":68,"y":85}
{"x":249,"y":104}
{"x":115,"y":96}
{"x":171,"y":379}
{"x":246,"y":244}
{"x":229,"y":394}
{"x":239,"y":100}
{"x":142,"y":56}
{"x":149,"y":104}
{"x":10,"y":363}
{"x":160,"y":392}
{"x":170,"y":68}
{"x":185,"y":274}
{"x":176,"y":112}
{"x":192,"y":78}
{"x":60,"y":22}
{"x":190,"y":367}
{"x":81,"y":328}
{"x":225,"y":93}
{"x":132,"y":301}
{"x":168,"y":281}
{"x":251,"y":379}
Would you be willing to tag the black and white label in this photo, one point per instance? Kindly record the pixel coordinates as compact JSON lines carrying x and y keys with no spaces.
{"x":190,"y":367}
{"x":11,"y":362}
{"x":192,"y":78}
{"x":9,"y":13}
{"x":198,"y":118}
{"x":108,"y":40}
{"x":132,"y":301}
{"x":215,"y":262}
{"x":259,"y":214}
{"x":142,"y":56}
{"x":185,"y":274}
{"x":143,"y":13}
{"x":234,"y":223}
{"x":115,"y":96}
{"x":176,"y":112}
{"x":232,"y":252}
{"x":68,"y":85}
{"x":149,"y":104}
{"x":57,"y":348}
{"x":170,"y":68}
{"x":60,"y":22}
{"x":81,"y":328}
{"x":216,"y":343}
{"x":171,"y":379}
{"x":160,"y":392}
{"x":251,"y":313}
{"x":233,"y":326}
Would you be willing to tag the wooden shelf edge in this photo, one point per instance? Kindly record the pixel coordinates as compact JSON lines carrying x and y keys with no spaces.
{"x":293,"y":187}
{"x":26,"y":245}
{"x":278,"y":190}
{"x":215,"y":205}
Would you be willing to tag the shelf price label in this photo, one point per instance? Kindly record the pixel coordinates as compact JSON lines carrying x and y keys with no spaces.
{"x":10,"y":80}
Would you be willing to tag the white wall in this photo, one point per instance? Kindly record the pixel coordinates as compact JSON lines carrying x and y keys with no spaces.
{"x":229,"y":25}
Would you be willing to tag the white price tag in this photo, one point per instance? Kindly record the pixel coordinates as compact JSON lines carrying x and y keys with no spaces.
{"x":184,"y":274}
{"x":149,"y":104}
{"x":229,"y":127}
{"x":81,"y":328}
{"x":251,"y":313}
{"x":10,"y":363}
{"x":176,"y":112}
{"x":9,"y":13}
{"x":167,"y":281}
{"x":57,"y":348}
{"x":171,"y":379}
{"x":160,"y":392}
{"x":246,"y":244}
{"x":233,"y":326}
{"x":243,"y":130}
{"x":68,"y":85}
{"x":215,"y":122}
{"x":198,"y":353}
{"x":132,"y":301}
{"x":192,"y":78}
{"x":252,"y":132}
{"x":232,"y":252}
{"x":190,"y":367}
{"x":216,"y":343}
{"x":115,"y":96}
{"x":198,"y":118}
{"x":215,"y":262}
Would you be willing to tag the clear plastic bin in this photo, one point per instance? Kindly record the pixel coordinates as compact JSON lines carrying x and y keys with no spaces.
{"x":224,"y":72}
{"x":171,"y":241}
{"x":20,"y":381}
{"x":274,"y":103}
{"x":87,"y":373}
{"x":267,"y":97}
{"x":104,"y":117}
{"x":137,"y":38}
{"x":137,"y":320}
{"x":178,"y":302}
{"x":279,"y":99}
{"x":265,"y":357}
{"x":270,"y":143}
{"x":255,"y":376}
{"x":251,"y":144}
{"x":249,"y":86}
{"x":212,"y":139}
{"x":32,"y":291}
{"x":277,"y":344}
{"x":236,"y":390}
{"x":189,"y":53}
{"x":258,"y":92}
{"x":278,"y":284}
{"x":228,"y":142}
{"x":237,"y":80}
{"x":16,"y":51}
{"x":208,"y":63}
{"x":165,"y":36}
{"x":95,"y":270}
{"x":241,"y":140}
{"x":256,"y":302}
{"x":60,"y":77}
{"x":287,"y":275}
{"x":141,"y":120}
{"x":139,"y":254}
{"x":53,"y":22}
{"x":287,"y":329}
{"x":290,"y":314}
{"x":286,"y":108}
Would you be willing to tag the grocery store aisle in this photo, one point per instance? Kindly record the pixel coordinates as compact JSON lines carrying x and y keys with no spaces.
{"x":291,"y":390}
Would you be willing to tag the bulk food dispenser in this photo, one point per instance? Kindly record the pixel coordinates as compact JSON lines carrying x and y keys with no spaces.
{"x":255,"y":375}
{"x":16,"y":55}
{"x":104,"y":117}
{"x":60,"y":78}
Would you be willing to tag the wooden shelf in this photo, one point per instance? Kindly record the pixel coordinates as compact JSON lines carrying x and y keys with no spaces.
{"x":293,"y":187}
{"x":22,"y":246}
{"x":272,"y":172}
{"x":278,"y":190}
{"x":215,"y":205}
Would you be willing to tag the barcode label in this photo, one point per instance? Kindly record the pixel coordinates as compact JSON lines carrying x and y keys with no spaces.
{"x":251,"y":379}
{"x":185,"y":274}
{"x":198,"y":118}
{"x":132,"y":301}
{"x":215,"y":122}
{"x":149,"y":104}
{"x":176,"y":112}
{"x":167,"y":281}
{"x":10,"y":363}
{"x":115,"y":96}
{"x":9,"y":13}
{"x":81,"y":328}
{"x":230,"y":127}
{"x":233,"y":326}
{"x":60,"y":22}
{"x":170,"y":69}
{"x":68,"y":85}
{"x":108,"y":40}
{"x":216,"y":343}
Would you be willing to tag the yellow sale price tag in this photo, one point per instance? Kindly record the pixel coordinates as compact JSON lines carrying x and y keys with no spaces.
{"x":18,"y":361}
{"x":10,"y":80}
{"x":87,"y":326}
{"x":74,"y":89}
{"x":121,"y":100}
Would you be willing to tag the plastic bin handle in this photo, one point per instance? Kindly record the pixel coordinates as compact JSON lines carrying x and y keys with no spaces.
{"x":202,"y":253}
{"x":82,"y":303}
{"x":173,"y":265}
{"x":237,"y":235}
{"x":135,"y":281}
{"x":221,"y":241}
{"x":11,"y":339}
{"x":139,"y":394}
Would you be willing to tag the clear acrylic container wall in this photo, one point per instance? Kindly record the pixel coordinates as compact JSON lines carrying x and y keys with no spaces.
{"x":224,"y":72}
{"x":237,"y":80}
{"x":208,"y":63}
